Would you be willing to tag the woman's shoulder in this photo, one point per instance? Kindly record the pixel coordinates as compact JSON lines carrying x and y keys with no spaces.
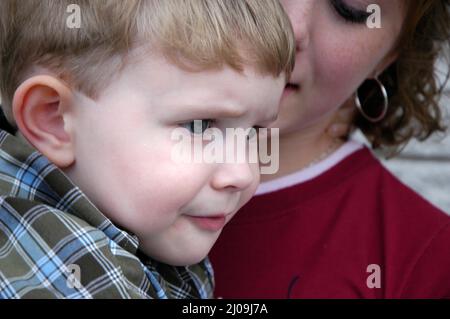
{"x":371,"y":176}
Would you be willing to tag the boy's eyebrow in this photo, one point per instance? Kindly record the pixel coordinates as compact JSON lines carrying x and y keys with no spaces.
{"x":193,"y":110}
{"x":197,"y":111}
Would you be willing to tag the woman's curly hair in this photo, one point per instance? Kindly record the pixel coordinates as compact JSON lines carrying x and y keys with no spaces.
{"x":412,"y":81}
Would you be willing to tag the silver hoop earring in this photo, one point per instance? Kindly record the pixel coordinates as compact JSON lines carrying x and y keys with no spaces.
{"x":375,"y":110}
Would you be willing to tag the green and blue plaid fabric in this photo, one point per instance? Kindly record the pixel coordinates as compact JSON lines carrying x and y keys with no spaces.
{"x":49,"y":230}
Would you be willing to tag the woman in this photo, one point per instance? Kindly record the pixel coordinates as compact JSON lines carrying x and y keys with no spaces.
{"x":333,"y":223}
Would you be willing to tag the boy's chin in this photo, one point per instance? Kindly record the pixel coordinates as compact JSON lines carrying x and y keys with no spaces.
{"x":184,"y":258}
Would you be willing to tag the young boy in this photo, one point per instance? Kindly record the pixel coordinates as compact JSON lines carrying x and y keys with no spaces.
{"x":92,"y":204}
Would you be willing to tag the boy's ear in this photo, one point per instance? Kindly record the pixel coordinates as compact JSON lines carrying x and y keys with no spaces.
{"x":41,"y":109}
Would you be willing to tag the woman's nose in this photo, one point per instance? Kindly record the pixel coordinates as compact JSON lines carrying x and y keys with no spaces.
{"x":301,"y":38}
{"x":300,"y":14}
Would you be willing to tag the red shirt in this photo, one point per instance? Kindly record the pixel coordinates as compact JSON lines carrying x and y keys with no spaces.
{"x":318,"y":239}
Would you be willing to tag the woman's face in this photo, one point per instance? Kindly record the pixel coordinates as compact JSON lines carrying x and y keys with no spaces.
{"x":334,"y":56}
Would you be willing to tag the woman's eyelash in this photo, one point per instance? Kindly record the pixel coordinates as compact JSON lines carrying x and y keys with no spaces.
{"x":348,"y":13}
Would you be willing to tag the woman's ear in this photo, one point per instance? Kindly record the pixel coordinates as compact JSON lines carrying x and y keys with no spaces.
{"x":41,"y":107}
{"x":385,"y":63}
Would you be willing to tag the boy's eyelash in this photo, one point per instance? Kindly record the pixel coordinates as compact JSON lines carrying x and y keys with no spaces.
{"x":348,"y":13}
{"x":188,"y":125}
{"x":256,"y":130}
{"x":211,"y":123}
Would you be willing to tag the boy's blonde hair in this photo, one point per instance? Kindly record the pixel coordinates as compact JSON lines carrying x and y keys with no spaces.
{"x":195,"y":34}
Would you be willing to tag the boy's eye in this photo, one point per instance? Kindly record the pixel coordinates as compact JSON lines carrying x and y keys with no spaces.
{"x":253,"y":131}
{"x":348,"y":13}
{"x":197,"y":127}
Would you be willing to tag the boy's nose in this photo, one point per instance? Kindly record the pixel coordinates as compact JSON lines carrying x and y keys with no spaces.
{"x":233,"y":176}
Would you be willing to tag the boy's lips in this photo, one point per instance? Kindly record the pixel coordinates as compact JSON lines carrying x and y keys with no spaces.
{"x":211,"y":223}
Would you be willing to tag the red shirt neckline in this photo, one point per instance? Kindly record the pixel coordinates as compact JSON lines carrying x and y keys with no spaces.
{"x":288,"y":197}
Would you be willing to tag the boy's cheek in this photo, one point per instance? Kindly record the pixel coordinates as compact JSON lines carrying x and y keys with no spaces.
{"x":248,"y":193}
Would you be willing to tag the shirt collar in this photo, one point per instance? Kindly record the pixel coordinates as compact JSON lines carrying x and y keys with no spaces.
{"x":49,"y":185}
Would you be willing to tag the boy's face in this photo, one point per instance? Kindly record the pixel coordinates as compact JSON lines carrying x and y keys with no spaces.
{"x":123,"y":149}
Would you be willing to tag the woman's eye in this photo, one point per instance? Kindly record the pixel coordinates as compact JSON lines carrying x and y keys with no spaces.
{"x":197,"y":127}
{"x":348,"y":13}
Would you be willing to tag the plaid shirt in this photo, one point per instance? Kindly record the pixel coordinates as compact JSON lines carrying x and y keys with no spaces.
{"x":54,"y":243}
